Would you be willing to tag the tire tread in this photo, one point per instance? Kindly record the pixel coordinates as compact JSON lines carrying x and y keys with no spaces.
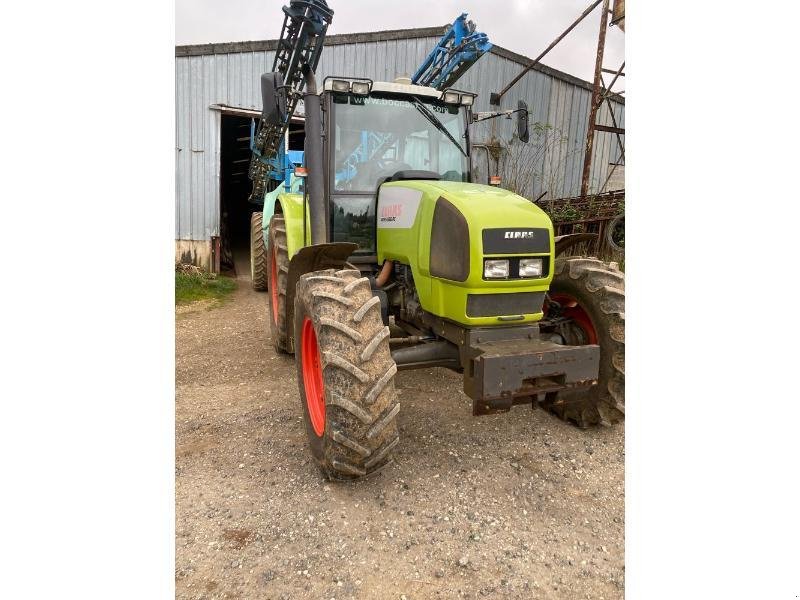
{"x":361,"y":401}
{"x":604,"y":287}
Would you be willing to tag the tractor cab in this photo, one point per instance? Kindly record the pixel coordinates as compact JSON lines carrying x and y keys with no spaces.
{"x":379,"y":132}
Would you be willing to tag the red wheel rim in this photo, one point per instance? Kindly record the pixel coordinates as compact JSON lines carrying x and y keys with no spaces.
{"x":572,"y":310}
{"x":273,"y":286}
{"x":312,"y":377}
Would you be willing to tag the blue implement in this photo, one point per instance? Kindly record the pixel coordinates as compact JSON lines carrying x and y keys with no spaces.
{"x":456,"y":52}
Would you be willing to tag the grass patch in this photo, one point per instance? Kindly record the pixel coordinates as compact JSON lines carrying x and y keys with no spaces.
{"x":191,"y":287}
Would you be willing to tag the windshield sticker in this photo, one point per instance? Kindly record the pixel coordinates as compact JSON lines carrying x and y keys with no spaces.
{"x":399,"y":103}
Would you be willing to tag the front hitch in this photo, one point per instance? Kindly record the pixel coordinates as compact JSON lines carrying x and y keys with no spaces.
{"x":514,"y":365}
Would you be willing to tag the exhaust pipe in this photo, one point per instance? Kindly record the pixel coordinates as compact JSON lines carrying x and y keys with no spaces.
{"x":429,"y":354}
{"x":314,"y":160}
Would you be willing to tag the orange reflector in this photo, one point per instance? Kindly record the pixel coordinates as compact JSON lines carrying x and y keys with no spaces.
{"x":300,"y":172}
{"x":494,"y":180}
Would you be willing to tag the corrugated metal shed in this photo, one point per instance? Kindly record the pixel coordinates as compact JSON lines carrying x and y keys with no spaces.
{"x":228,"y":74}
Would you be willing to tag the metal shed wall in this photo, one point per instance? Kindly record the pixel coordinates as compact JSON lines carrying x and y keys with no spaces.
{"x":228,"y":74}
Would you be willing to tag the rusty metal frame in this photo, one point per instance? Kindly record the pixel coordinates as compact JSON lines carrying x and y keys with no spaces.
{"x":588,"y":233}
{"x":600,"y":91}
{"x":595,"y":101}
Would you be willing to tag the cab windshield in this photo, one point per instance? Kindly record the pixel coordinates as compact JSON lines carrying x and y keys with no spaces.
{"x":377,"y":136}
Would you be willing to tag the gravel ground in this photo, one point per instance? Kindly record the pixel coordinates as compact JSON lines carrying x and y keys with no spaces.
{"x":519,"y":505}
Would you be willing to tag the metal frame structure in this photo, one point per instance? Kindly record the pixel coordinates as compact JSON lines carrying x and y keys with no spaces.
{"x":593,"y":216}
{"x":600,"y":93}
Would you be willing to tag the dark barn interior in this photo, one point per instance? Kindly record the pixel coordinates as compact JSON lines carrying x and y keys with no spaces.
{"x":235,"y":188}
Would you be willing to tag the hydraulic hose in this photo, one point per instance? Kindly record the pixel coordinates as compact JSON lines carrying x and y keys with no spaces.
{"x":383,"y":277}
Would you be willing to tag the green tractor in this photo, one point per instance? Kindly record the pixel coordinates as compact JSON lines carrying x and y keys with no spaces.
{"x":390,"y":258}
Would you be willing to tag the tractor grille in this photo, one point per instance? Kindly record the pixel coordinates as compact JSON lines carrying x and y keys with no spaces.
{"x":516,"y":240}
{"x":500,"y":305}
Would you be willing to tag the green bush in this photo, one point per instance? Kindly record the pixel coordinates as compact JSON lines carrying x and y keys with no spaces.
{"x":190,"y":287}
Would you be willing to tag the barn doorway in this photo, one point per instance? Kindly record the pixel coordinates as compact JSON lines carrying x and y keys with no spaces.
{"x":235,"y":186}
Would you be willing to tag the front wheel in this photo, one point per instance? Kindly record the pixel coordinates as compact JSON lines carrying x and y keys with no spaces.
{"x":587,"y":301}
{"x":345,"y":373}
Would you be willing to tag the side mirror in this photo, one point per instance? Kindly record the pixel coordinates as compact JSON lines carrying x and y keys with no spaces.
{"x":522,"y":122}
{"x":273,"y":98}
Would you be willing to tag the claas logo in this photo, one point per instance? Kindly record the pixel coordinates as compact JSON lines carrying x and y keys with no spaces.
{"x":390,"y":212}
{"x":519,"y":235}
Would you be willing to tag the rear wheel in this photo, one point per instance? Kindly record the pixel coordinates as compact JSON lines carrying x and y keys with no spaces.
{"x":345,"y":373}
{"x":258,"y":253}
{"x":278,"y":272}
{"x":587,"y":296}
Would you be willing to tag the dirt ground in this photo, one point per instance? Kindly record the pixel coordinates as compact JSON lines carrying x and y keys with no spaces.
{"x":519,"y":505}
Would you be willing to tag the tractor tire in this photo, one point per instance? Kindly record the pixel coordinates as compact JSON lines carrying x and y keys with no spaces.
{"x":613,"y":229}
{"x":592,"y":293}
{"x":258,"y":253}
{"x":278,"y":273}
{"x":345,"y":373}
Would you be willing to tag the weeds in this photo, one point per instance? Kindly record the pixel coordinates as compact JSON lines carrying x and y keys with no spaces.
{"x":193,"y":285}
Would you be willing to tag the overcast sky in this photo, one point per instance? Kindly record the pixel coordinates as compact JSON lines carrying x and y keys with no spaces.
{"x":524,"y":26}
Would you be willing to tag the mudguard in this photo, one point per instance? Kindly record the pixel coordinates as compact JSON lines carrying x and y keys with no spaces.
{"x":273,"y":199}
{"x":312,"y":258}
{"x":291,"y":206}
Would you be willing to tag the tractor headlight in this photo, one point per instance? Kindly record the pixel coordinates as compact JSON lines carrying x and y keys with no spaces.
{"x":450,"y":97}
{"x":530,"y":267}
{"x":340,"y":85}
{"x":360,"y":88}
{"x":495,"y":269}
{"x":467,"y":99}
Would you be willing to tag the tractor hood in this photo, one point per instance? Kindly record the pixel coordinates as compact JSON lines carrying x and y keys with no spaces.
{"x":496,"y":218}
{"x":485,"y":206}
{"x":445,"y":231}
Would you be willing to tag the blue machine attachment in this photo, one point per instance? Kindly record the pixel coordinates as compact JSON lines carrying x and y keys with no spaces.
{"x":456,"y":52}
{"x":280,"y":166}
{"x":294,"y":159}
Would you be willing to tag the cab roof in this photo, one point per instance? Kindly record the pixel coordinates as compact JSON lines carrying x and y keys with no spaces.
{"x":393,"y":87}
